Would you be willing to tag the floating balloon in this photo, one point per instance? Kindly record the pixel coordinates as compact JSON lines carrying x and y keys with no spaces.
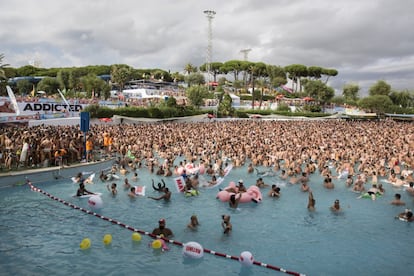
{"x":246,"y":258}
{"x":193,"y":250}
{"x":85,"y":244}
{"x":107,"y":239}
{"x":136,"y":237}
{"x":156,"y":244}
{"x":95,"y":202}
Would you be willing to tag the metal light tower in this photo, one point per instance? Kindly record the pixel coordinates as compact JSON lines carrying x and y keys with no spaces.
{"x":245,"y":52}
{"x":210,"y":16}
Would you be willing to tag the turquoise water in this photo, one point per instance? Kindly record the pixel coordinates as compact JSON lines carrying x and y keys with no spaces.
{"x":41,"y":236}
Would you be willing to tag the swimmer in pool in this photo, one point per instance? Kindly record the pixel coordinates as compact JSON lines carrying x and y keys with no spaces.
{"x":311,"y":202}
{"x":166,"y":196}
{"x":336,"y":207}
{"x":227,"y":227}
{"x":193,"y":223}
{"x":234,"y":201}
{"x":112,"y":189}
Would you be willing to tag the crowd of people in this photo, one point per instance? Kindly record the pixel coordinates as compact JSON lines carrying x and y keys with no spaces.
{"x":358,"y":152}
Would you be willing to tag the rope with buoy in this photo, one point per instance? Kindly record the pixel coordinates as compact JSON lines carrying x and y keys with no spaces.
{"x":212,"y":252}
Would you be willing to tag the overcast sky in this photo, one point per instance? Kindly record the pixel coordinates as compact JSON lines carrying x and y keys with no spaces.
{"x":365,"y":40}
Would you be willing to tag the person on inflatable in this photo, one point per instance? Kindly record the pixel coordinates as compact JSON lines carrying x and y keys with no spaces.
{"x":406,"y":216}
{"x":161,"y":230}
{"x":82,"y":191}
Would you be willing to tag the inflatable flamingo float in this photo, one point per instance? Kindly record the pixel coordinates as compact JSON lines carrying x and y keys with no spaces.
{"x":252,"y":194}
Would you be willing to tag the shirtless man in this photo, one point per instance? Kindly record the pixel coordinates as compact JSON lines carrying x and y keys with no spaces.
{"x":166,"y":196}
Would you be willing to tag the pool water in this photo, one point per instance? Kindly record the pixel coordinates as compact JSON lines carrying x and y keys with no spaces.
{"x":41,"y":236}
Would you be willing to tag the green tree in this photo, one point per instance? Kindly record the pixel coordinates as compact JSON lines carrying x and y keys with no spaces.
{"x":315,"y":72}
{"x":215,"y":69}
{"x":380,"y":88}
{"x":121,"y":74}
{"x":189,"y":69}
{"x":24,"y":87}
{"x":196,"y":95}
{"x":329,"y":73}
{"x":375,"y":103}
{"x":225,"y":107}
{"x":319,"y":90}
{"x":295,"y":72}
{"x":256,"y":70}
{"x":171,"y":102}
{"x":92,"y":84}
{"x":27,"y":70}
{"x":403,"y":98}
{"x":233,"y":67}
{"x":338,"y":100}
{"x":49,"y":85}
{"x":350,"y":92}
{"x":195,"y":79}
{"x":63,"y":77}
{"x":177,"y":77}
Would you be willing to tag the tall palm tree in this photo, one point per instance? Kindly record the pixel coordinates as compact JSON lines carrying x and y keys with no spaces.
{"x":189,"y":68}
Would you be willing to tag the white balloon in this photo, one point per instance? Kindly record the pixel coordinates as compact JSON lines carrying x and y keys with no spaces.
{"x":95,"y":202}
{"x":246,"y":258}
{"x":193,"y":250}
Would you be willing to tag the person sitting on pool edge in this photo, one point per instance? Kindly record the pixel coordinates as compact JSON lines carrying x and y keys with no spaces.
{"x":226,"y":224}
{"x":161,"y":230}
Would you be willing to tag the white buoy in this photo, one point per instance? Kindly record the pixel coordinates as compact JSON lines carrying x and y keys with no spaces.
{"x":193,"y":250}
{"x":246,"y":258}
{"x":95,"y":202}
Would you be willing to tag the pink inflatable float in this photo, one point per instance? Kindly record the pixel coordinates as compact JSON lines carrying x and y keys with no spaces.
{"x":252,"y":194}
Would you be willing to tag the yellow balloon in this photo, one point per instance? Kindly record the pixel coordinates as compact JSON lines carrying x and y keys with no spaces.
{"x":107,"y":239}
{"x":156,"y":244}
{"x":136,"y":236}
{"x":85,"y":244}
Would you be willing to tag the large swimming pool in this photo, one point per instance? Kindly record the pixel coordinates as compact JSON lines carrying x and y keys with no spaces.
{"x":41,"y":236}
